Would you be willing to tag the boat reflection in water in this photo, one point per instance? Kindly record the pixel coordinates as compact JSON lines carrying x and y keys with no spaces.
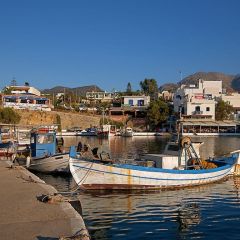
{"x":188,"y":215}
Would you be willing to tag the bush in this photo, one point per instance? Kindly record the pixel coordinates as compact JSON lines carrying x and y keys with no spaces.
{"x":9,"y":116}
{"x":58,"y":120}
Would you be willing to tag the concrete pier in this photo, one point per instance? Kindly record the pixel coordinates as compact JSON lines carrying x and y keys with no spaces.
{"x":23,"y":216}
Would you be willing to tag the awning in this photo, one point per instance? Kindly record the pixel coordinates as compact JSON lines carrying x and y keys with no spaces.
{"x":209,"y":123}
{"x":26,"y":97}
{"x":10,"y":97}
{"x":39,"y":99}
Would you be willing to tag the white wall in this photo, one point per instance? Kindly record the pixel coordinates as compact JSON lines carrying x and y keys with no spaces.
{"x":135,"y":100}
{"x":233,"y":99}
{"x":188,"y":97}
{"x":207,"y":107}
{"x":24,"y":90}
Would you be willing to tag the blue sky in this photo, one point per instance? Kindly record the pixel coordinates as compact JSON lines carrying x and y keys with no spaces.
{"x":112,"y":42}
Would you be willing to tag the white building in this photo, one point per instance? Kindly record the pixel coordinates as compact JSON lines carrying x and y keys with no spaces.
{"x":234,"y":100}
{"x":24,"y":90}
{"x":137,"y":101}
{"x":197,"y":101}
{"x":166,"y":95}
{"x":100,"y":96}
{"x":23,"y":101}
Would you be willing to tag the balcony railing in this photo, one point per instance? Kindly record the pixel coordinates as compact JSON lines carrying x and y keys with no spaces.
{"x":197,"y":112}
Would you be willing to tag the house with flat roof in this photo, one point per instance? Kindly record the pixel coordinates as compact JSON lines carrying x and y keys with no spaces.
{"x":234,"y":100}
{"x":100,"y":96}
{"x":24,"y":90}
{"x":25,"y":97}
{"x":197,"y":101}
{"x":130,"y":105}
{"x":24,"y":101}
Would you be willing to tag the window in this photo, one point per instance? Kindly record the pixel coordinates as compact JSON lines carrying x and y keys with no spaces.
{"x":130,"y":102}
{"x":140,"y":103}
{"x":41,"y":101}
{"x":197,"y":108}
{"x":43,"y":139}
{"x":10,"y":100}
{"x":207,"y":109}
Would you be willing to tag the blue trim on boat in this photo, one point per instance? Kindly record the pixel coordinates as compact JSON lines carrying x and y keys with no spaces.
{"x":175,"y":171}
{"x":160,"y":179}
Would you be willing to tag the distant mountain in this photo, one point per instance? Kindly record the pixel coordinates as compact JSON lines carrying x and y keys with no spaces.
{"x":81,"y":91}
{"x":171,"y":87}
{"x":230,"y":82}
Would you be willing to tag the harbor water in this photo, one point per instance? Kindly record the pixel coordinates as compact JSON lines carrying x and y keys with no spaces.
{"x":206,"y":212}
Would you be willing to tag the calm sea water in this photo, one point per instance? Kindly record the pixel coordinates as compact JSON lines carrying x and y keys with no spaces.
{"x":206,"y":212}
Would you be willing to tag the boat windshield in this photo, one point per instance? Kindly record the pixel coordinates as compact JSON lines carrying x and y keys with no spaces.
{"x":43,"y":139}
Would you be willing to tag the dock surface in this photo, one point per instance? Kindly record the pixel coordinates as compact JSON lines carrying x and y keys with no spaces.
{"x":23,"y":216}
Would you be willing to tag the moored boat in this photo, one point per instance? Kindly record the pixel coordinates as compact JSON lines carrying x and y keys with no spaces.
{"x":127,"y":132}
{"x":166,"y":172}
{"x":46,"y":156}
{"x":89,"y":132}
{"x":107,"y":130}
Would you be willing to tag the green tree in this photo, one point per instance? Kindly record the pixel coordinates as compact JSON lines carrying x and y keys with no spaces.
{"x":223,"y":111}
{"x":129,"y":88}
{"x":9,"y":116}
{"x":7,"y":90}
{"x":158,"y":112}
{"x":149,"y":87}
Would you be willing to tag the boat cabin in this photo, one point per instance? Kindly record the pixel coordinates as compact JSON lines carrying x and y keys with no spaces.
{"x":173,"y":157}
{"x":43,"y":143}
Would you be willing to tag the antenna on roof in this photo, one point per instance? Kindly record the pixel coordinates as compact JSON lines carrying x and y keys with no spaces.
{"x":14,"y":82}
{"x":180,"y":72}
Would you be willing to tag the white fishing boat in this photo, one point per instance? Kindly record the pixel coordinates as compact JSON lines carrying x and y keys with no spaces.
{"x":89,"y":132}
{"x":127,"y":132}
{"x":107,"y":130}
{"x":58,"y":163}
{"x":74,"y":131}
{"x":166,"y":171}
{"x":45,"y":155}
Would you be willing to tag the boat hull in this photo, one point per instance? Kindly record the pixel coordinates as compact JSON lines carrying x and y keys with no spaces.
{"x":54,"y":164}
{"x":94,"y":176}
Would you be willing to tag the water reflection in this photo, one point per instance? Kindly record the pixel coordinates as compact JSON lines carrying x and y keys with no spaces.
{"x":188,"y":215}
{"x":217,"y":146}
{"x":120,"y":147}
{"x":132,"y":147}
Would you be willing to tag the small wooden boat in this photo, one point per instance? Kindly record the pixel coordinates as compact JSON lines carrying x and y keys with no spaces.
{"x":46,"y":156}
{"x":58,"y":163}
{"x":96,"y":174}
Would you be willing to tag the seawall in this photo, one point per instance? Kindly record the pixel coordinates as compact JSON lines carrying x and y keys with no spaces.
{"x":24,"y":217}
